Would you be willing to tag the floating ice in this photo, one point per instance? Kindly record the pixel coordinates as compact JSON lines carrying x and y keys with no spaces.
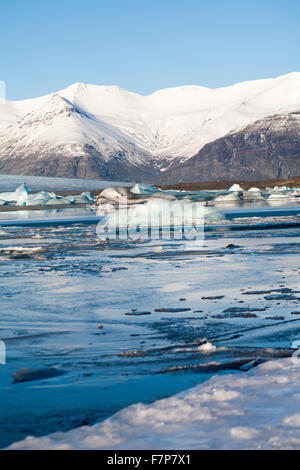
{"x":207,"y":348}
{"x":21,"y":249}
{"x":281,"y":196}
{"x":19,"y":196}
{"x":155,"y":218}
{"x":141,"y":193}
{"x":254,"y":190}
{"x":232,"y":196}
{"x":144,"y":189}
{"x":235,"y":187}
{"x":145,"y":206}
{"x":22,"y":197}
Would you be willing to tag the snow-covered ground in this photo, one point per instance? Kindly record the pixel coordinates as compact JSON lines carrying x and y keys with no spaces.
{"x":256,"y":410}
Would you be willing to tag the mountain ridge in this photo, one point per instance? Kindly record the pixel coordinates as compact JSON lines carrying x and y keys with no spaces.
{"x":117,"y":133}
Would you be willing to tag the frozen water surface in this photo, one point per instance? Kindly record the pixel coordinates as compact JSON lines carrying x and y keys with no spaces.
{"x":92,"y":326}
{"x":257,"y":410}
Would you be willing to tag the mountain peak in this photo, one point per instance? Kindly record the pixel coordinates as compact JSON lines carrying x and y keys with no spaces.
{"x":60,"y":101}
{"x":81,"y":88}
{"x":169,"y":125}
{"x":54,"y":106}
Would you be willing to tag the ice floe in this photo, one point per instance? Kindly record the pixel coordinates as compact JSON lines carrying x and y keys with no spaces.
{"x":141,"y":193}
{"x":207,"y":348}
{"x":235,"y":187}
{"x":144,"y":205}
{"x":159,"y":212}
{"x":144,"y":193}
{"x":232,"y":196}
{"x":23,"y":197}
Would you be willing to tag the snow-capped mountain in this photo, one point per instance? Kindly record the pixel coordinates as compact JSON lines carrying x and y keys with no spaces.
{"x":108,"y":132}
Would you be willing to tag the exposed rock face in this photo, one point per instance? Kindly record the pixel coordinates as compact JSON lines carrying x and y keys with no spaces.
{"x":88,"y":164}
{"x":268,"y":148}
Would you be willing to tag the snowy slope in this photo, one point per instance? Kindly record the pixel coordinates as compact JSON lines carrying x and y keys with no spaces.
{"x":56,"y":122}
{"x":178,"y":122}
{"x":174,"y":122}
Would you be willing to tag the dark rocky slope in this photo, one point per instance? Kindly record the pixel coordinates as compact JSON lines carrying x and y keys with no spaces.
{"x":269,"y":148}
{"x":89,"y":164}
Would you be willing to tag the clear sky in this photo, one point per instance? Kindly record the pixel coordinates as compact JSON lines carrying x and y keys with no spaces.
{"x":46,"y":45}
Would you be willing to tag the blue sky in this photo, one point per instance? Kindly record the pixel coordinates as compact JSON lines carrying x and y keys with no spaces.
{"x":143,"y":46}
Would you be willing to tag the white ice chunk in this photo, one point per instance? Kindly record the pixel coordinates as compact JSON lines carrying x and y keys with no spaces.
{"x":207,"y":348}
{"x":144,"y":189}
{"x":254,"y":190}
{"x":235,"y":187}
{"x":22,"y":197}
{"x":232,"y":196}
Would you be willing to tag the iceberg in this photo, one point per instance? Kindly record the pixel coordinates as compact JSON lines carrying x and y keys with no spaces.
{"x":232,"y":196}
{"x":235,"y":187}
{"x":254,"y":190}
{"x":23,"y":197}
{"x":19,"y":196}
{"x":144,"y":207}
{"x":155,"y":218}
{"x":141,"y":193}
{"x":144,"y":189}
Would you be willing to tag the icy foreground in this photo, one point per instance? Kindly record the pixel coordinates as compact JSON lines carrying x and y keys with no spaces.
{"x":259,"y":409}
